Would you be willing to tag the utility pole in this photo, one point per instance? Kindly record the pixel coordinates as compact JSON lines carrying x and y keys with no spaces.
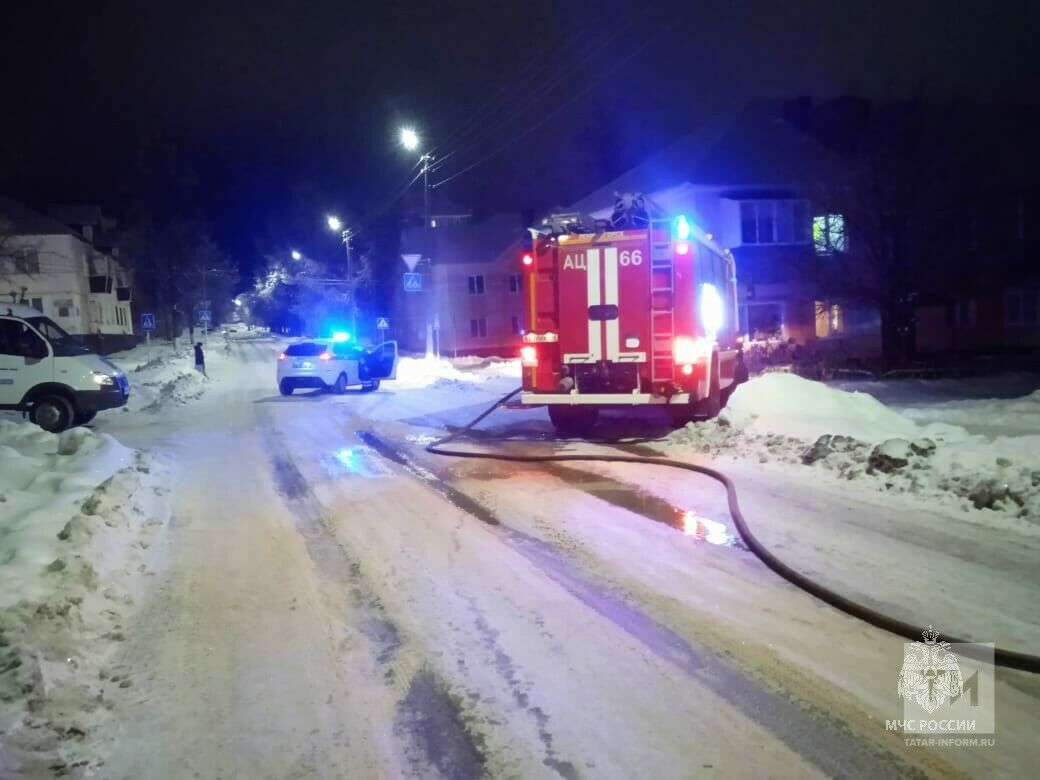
{"x":433,"y":330}
{"x":351,"y":285}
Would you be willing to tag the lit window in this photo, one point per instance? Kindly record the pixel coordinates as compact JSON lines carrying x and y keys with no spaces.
{"x":829,"y":234}
{"x":476,"y":284}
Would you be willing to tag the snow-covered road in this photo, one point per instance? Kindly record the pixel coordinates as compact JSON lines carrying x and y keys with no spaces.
{"x":327,"y":600}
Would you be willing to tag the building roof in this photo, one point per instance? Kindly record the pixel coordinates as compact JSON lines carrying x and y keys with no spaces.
{"x":19,"y":220}
{"x":755,"y":148}
{"x":80,"y":215}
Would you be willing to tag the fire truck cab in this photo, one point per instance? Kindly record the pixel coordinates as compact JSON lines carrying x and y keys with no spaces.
{"x":638,"y":310}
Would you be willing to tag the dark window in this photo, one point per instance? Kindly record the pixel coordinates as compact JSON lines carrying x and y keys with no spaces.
{"x":765,"y":223}
{"x":37,"y":303}
{"x":515,"y":322}
{"x":305,"y":349}
{"x":515,"y":283}
{"x":748,"y":223}
{"x":774,"y":221}
{"x":478,"y":328}
{"x":101,"y":284}
{"x":476,"y":284}
{"x":1029,"y":307}
{"x":1013,"y":315}
{"x":27,"y":261}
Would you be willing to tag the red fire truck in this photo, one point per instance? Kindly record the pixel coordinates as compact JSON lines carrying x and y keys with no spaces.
{"x":621,"y":313}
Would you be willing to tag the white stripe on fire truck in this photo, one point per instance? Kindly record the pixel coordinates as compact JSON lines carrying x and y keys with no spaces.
{"x":592,"y":277}
{"x":610,"y":289}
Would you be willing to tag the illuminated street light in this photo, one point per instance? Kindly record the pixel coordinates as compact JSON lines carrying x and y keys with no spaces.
{"x":409,"y":139}
{"x":334,"y":223}
{"x":296,"y":255}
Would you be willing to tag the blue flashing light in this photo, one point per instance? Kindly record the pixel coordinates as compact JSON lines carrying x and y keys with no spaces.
{"x":340,"y":336}
{"x":683,"y":229}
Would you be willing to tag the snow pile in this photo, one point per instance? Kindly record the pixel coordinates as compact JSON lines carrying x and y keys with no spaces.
{"x":1014,"y":414}
{"x":784,"y":420}
{"x":789,"y":405}
{"x":419,"y":373}
{"x":160,"y":376}
{"x":75,"y":515}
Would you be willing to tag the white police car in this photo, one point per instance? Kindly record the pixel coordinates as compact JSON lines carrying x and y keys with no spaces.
{"x":335,"y":365}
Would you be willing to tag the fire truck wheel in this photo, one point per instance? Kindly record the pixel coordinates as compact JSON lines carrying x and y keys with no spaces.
{"x":680,"y":414}
{"x":573,"y":420}
{"x":710,"y":406}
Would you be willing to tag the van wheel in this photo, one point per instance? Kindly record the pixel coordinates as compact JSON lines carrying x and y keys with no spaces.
{"x":52,"y":413}
{"x":82,"y":417}
{"x":285,"y":388}
{"x":573,"y":420}
{"x":368,"y":387}
{"x":341,"y":385}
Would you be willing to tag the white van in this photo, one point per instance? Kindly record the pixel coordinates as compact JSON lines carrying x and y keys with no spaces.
{"x":51,"y":375}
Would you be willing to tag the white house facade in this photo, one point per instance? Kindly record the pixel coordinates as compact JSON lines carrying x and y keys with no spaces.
{"x":61,"y":273}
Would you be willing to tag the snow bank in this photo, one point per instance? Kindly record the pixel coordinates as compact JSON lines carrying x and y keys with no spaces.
{"x":1014,"y":414}
{"x":419,"y":373}
{"x":789,"y":405}
{"x":786,"y":421}
{"x":160,"y":376}
{"x":76,"y":513}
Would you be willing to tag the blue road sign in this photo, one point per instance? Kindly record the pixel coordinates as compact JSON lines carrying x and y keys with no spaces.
{"x":204,"y":316}
{"x":382,"y":323}
{"x":147,"y":322}
{"x":413,"y":282}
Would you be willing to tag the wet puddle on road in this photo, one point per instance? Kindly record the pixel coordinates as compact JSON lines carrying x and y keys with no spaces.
{"x":356,"y":460}
{"x":689,"y":522}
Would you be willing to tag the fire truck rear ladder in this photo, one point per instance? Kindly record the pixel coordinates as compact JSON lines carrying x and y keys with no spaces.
{"x":662,"y":289}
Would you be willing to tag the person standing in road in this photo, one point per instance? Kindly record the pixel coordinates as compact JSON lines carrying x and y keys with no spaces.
{"x":200,"y":359}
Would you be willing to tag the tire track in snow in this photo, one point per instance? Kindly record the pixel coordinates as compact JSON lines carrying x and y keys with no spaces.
{"x":428,"y":719}
{"x":810,"y":732}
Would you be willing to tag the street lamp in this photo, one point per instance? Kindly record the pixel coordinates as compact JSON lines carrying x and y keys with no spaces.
{"x":409,"y":139}
{"x":336,"y":226}
{"x":296,"y":255}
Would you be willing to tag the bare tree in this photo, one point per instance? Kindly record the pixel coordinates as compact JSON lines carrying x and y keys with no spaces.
{"x":890,"y":236}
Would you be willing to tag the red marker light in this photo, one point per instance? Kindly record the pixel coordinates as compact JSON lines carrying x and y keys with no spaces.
{"x":325,"y":356}
{"x":528,"y":260}
{"x":281,"y":356}
{"x":528,"y":354}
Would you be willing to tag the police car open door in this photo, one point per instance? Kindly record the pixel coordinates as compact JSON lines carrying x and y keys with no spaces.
{"x":382,"y":360}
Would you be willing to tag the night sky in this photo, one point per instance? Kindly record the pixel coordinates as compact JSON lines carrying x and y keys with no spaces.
{"x":284,"y":109}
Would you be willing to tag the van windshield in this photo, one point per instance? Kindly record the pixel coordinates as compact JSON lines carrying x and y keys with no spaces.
{"x":62,"y":343}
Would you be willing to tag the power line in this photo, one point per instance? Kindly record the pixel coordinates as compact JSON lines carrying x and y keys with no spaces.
{"x":530,"y":101}
{"x":513,"y":139}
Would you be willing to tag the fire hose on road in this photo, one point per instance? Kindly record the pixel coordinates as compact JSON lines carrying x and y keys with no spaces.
{"x":1006,"y":658}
